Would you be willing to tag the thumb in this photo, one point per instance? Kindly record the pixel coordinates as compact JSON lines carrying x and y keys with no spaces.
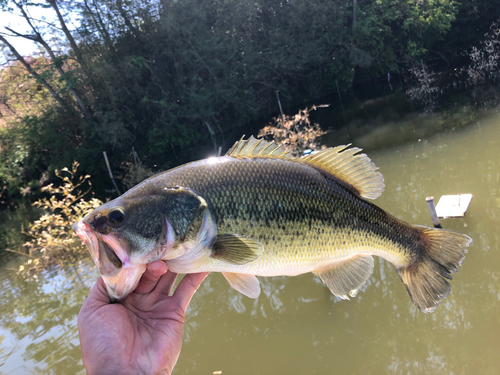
{"x":98,"y":296}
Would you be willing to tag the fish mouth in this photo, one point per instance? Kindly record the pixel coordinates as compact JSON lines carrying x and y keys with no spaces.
{"x":110,"y":255}
{"x":124,"y":282}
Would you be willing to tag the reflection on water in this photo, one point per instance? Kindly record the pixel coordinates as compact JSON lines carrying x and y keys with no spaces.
{"x":38,"y":319}
{"x":296,"y":325}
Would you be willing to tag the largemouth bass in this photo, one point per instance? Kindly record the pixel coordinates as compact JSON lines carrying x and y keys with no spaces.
{"x":258,"y":211}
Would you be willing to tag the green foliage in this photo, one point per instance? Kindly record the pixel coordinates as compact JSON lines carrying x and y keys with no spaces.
{"x":164,"y":77}
{"x":393,"y":32}
{"x":194,"y":64}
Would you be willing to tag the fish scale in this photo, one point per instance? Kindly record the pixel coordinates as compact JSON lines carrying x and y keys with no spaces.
{"x":296,"y":211}
{"x":258,"y":211}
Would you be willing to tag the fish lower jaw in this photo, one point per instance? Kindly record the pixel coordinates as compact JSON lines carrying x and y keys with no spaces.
{"x":124,"y":282}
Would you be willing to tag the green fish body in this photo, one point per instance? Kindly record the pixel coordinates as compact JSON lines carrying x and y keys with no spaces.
{"x":258,"y":211}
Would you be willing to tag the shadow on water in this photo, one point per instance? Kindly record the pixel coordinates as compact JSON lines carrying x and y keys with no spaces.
{"x":11,"y":219}
{"x":296,"y":325}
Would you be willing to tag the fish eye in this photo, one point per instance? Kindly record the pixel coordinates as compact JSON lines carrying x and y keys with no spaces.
{"x":116,"y":216}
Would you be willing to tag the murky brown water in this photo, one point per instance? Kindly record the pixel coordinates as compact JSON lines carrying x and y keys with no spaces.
{"x":296,"y":326}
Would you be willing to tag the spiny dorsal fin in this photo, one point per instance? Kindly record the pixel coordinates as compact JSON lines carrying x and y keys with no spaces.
{"x":258,"y":148}
{"x":236,"y":249}
{"x":346,"y":278}
{"x":356,"y":170}
{"x":245,"y":284}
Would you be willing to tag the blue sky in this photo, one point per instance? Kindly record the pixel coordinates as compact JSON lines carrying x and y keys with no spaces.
{"x":16,"y":22}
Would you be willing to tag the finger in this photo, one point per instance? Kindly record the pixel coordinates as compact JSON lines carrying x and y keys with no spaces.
{"x":187,"y":287}
{"x":97,"y":297}
{"x":166,"y":283}
{"x":150,"y":278}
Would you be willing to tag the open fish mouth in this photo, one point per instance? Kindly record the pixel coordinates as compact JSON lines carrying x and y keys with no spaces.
{"x":110,"y":256}
{"x":89,"y":238}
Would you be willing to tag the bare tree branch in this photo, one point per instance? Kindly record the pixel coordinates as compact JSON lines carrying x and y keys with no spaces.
{"x":38,"y":39}
{"x":71,"y":40}
{"x":26,"y":36}
{"x":123,"y":13}
{"x":99,"y":24}
{"x":33,"y":72}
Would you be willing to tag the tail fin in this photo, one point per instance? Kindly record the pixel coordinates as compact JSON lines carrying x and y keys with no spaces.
{"x":444,"y":250}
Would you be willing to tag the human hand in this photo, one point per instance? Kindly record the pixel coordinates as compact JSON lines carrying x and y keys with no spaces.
{"x":143,"y":333}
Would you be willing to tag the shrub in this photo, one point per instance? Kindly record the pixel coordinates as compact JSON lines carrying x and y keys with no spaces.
{"x":52,"y":240}
{"x":295,"y":133}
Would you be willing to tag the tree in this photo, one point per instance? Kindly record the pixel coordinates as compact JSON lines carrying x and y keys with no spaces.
{"x":165,"y":76}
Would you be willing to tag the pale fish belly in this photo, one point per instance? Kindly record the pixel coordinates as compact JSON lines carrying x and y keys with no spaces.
{"x":288,"y":253}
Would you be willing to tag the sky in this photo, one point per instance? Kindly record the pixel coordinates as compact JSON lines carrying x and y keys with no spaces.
{"x":13,"y":20}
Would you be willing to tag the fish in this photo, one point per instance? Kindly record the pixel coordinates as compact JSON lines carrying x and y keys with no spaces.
{"x":259,"y":211}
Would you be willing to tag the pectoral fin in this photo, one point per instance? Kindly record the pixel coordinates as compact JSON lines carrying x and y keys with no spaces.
{"x":236,"y":249}
{"x":346,"y":278}
{"x":243,"y":283}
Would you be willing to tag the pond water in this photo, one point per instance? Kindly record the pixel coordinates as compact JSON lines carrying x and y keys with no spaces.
{"x":296,"y":326}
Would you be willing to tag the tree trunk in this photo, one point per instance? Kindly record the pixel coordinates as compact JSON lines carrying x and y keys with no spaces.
{"x":354,"y":5}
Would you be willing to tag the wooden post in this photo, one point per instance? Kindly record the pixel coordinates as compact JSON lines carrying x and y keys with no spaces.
{"x":281,"y":109}
{"x":432,"y":210}
{"x":110,"y":174}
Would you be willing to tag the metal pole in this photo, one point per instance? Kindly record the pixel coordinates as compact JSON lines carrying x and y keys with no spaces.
{"x":432,"y":210}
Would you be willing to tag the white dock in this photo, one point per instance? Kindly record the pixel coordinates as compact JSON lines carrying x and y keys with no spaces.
{"x":450,"y":206}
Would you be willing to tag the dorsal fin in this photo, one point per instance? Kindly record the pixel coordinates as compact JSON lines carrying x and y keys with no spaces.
{"x":258,"y":148}
{"x":356,"y":170}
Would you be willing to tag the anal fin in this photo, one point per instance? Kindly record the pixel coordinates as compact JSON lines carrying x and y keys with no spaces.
{"x":236,"y":249}
{"x":344,"y":279}
{"x":243,"y":283}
